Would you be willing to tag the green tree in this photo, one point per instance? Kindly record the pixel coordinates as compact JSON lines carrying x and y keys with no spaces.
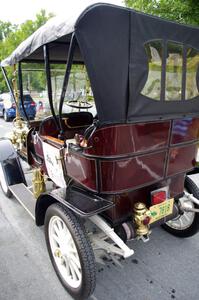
{"x":11,"y":36}
{"x":42,"y":17}
{"x":5,"y":29}
{"x":183,"y":11}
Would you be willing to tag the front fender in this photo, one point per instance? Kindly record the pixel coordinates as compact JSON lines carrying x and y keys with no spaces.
{"x":10,"y":163}
{"x":7,"y":150}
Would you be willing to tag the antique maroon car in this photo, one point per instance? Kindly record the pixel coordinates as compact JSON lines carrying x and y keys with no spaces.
{"x":123,"y":170}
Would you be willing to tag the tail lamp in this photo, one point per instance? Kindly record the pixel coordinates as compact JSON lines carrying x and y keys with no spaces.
{"x":158,"y":197}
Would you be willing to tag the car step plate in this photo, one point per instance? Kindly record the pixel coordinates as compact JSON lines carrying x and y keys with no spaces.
{"x":25,"y":197}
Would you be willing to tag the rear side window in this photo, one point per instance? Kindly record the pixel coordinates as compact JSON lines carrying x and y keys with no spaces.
{"x":152,"y":88}
{"x":173,"y":71}
{"x":174,"y":65}
{"x":192,"y":73}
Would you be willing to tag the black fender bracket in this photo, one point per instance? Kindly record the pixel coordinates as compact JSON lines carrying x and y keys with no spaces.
{"x":80,"y":201}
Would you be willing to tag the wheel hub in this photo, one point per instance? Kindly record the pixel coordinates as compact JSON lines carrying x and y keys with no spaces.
{"x":58,"y":253}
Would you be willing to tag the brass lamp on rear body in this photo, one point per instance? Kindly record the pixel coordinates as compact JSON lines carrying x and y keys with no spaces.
{"x":141,"y":219}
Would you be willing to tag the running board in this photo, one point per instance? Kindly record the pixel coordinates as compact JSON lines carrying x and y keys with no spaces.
{"x":25,"y":197}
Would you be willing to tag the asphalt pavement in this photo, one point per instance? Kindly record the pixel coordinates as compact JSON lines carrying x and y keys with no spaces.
{"x":164,"y":268}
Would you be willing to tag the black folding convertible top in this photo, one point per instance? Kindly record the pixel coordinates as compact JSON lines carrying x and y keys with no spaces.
{"x":112,"y":41}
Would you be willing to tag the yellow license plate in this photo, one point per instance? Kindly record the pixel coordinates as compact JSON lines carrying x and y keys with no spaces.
{"x":161,"y":210}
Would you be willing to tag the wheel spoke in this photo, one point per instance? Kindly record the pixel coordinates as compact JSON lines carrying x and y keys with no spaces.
{"x":185,"y":220}
{"x":186,"y":217}
{"x":76,"y":270}
{"x":74,"y":259}
{"x":75,"y":273}
{"x":59,"y":224}
{"x":180,"y":222}
{"x":66,"y":265}
{"x":176,"y":224}
{"x":56,"y":239}
{"x":66,"y":234}
{"x":56,"y":229}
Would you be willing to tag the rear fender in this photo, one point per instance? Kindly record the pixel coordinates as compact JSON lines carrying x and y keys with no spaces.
{"x":11,"y":164}
{"x":81,"y":202}
{"x":42,"y":204}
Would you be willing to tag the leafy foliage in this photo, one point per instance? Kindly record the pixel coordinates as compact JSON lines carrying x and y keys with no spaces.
{"x":183,"y":11}
{"x":5,"y":29}
{"x":12,"y":35}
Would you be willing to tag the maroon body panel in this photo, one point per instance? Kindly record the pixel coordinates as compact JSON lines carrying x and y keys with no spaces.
{"x":82,"y":169}
{"x":181,"y":159}
{"x":185,"y":130}
{"x":131,"y":173}
{"x":130,"y":156}
{"x":124,"y":203}
{"x":129,"y":138}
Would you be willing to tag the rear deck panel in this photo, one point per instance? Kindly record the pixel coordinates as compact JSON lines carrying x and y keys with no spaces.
{"x":130,"y":139}
{"x":181,"y":159}
{"x":185,"y":130}
{"x":128,"y":157}
{"x":131,"y":173}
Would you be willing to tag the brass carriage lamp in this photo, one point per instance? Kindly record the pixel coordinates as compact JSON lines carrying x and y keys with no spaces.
{"x":141,"y":219}
{"x":20,"y":130}
{"x":16,"y":94}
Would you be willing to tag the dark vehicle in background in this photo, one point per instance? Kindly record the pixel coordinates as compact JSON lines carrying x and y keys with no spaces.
{"x":29,"y":106}
{"x":8,"y":107}
{"x":117,"y":175}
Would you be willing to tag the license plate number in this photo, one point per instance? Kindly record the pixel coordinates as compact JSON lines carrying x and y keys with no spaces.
{"x":161,"y":210}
